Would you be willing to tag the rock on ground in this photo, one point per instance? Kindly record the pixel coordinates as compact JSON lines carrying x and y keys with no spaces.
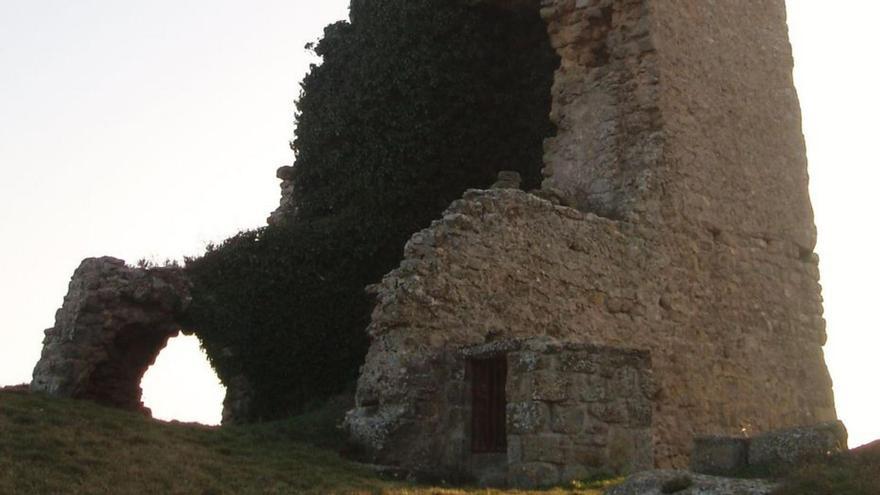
{"x":687,"y":483}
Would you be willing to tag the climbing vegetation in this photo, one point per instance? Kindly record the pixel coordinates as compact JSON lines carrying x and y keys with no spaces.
{"x":415,"y":101}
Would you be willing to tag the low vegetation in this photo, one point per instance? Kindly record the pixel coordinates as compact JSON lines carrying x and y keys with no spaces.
{"x":854,"y":473}
{"x":70,"y":447}
{"x":55,"y":446}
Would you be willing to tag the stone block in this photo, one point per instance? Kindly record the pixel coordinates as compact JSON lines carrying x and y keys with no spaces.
{"x":527,"y":417}
{"x":593,"y":392}
{"x":578,"y":362}
{"x":591,"y":456}
{"x":523,"y":362}
{"x":543,"y":448}
{"x":549,"y":387}
{"x":787,"y":447}
{"x":534,"y":475}
{"x":568,"y":419}
{"x":514,"y":449}
{"x":640,"y":413}
{"x":721,"y":456}
{"x":625,"y":382}
{"x":610,"y":412}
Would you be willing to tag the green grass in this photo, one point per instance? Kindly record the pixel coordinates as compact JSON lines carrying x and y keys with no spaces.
{"x":50,"y":446}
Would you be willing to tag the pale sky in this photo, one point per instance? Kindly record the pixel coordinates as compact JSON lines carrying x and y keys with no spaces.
{"x":147,"y":129}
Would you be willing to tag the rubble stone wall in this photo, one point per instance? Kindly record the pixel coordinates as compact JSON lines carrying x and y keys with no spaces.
{"x":111,"y":327}
{"x":605,"y":106}
{"x":692,"y":236}
{"x":731,"y":328}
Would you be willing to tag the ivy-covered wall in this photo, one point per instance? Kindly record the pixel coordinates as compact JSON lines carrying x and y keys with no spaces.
{"x":415,"y":101}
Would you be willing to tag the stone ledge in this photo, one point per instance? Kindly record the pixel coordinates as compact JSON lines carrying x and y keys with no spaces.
{"x":769,"y":451}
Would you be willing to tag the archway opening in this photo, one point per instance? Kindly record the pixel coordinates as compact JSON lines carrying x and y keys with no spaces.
{"x":182,"y":386}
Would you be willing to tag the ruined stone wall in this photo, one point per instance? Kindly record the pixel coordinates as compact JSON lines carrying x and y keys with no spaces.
{"x":114,"y":322}
{"x":730,"y":328}
{"x":605,"y":106}
{"x":680,"y":127}
{"x":287,"y":206}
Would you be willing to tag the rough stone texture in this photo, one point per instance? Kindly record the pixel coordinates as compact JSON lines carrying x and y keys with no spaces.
{"x":790,"y":446}
{"x":734,"y":154}
{"x":772,"y":451}
{"x":721,"y":456}
{"x":508,"y":179}
{"x":286,"y":207}
{"x":575,"y":411}
{"x":653,"y":482}
{"x":605,"y":105}
{"x":114,"y":322}
{"x":731,"y":349}
{"x":679,"y":126}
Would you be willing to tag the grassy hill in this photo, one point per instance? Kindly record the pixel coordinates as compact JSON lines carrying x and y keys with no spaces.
{"x":73,"y":447}
{"x":50,"y":446}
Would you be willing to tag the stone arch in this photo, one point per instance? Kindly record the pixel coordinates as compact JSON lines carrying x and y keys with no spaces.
{"x":114,"y":322}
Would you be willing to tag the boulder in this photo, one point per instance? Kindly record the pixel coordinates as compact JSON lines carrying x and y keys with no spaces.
{"x":686,"y":483}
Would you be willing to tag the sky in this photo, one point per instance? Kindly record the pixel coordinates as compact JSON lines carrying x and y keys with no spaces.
{"x":149,"y":129}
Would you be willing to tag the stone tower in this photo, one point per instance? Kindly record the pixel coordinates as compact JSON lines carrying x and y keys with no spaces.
{"x":674,"y":295}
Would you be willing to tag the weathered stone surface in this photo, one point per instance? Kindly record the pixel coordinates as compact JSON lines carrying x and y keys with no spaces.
{"x":679,"y":126}
{"x":788,"y":447}
{"x":114,"y":321}
{"x":286,"y":206}
{"x":508,"y":180}
{"x":717,"y":367}
{"x":653,"y":482}
{"x":720,"y":456}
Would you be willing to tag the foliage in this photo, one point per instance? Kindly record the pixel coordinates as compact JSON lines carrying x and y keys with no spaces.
{"x":415,"y":101}
{"x":286,"y":308}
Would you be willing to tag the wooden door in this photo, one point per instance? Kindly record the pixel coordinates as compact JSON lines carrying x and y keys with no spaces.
{"x":488,"y":405}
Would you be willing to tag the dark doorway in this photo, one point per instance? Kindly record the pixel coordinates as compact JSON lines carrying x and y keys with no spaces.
{"x":488,"y":405}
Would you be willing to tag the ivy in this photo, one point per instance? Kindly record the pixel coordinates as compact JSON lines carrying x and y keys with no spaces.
{"x":415,"y":101}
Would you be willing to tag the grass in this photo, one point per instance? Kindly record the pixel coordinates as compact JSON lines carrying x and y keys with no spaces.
{"x":73,"y":447}
{"x":856,"y":472}
{"x":52,"y":446}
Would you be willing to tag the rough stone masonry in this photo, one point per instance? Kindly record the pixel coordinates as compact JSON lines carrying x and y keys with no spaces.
{"x":674,"y":296}
{"x":111,"y":327}
{"x":114,"y":322}
{"x":688,"y":236}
